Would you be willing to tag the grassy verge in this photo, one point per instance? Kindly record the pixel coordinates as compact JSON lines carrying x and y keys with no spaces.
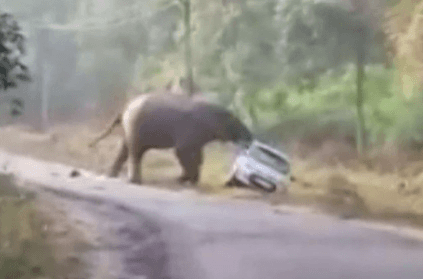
{"x":24,"y":252}
{"x":27,"y":248}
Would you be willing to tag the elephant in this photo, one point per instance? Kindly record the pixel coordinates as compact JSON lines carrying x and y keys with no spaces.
{"x":160,"y":120}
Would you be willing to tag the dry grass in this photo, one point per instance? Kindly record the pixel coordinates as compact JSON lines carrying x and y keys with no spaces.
{"x":24,"y":252}
{"x":29,"y":245}
{"x":330,"y":172}
{"x":378,"y":186}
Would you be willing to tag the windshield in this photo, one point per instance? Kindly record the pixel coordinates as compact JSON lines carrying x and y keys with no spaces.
{"x":269,"y":158}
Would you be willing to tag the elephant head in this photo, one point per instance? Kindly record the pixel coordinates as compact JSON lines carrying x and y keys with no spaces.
{"x":225,"y":126}
{"x":236,"y":131}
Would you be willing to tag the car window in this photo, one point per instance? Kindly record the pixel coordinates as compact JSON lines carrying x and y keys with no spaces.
{"x":266,"y":156}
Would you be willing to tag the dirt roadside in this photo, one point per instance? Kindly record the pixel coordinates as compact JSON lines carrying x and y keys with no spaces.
{"x":326,"y":178}
{"x":49,"y":235}
{"x":38,"y":240}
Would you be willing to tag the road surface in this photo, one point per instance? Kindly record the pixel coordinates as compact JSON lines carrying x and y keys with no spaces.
{"x":193,"y":236}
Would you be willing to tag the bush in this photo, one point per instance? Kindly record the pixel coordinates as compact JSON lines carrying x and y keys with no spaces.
{"x":329,"y":110}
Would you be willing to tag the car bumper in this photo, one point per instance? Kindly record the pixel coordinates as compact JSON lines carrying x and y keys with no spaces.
{"x":244,"y":178}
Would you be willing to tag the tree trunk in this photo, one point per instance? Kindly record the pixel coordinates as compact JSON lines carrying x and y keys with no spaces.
{"x":361,"y":141}
{"x":43,"y":78}
{"x":45,"y":87}
{"x":188,"y":48}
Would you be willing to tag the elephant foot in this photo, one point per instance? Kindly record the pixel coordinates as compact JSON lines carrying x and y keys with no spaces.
{"x":113,"y":172}
{"x":186,"y":178}
{"x":183,"y":179}
{"x":135,"y":181}
{"x":112,"y":175}
{"x":194,"y":180}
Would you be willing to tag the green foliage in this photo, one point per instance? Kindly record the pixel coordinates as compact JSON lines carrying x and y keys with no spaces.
{"x":272,"y":61}
{"x":12,"y":70}
{"x":12,"y":48}
{"x":330,"y":107}
{"x":318,"y":36}
{"x":251,"y":39}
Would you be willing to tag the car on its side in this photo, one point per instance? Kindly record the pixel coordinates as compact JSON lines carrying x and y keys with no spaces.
{"x":262,"y":166}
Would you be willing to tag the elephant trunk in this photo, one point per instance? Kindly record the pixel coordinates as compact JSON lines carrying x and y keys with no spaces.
{"x":241,"y":134}
{"x":116,"y":121}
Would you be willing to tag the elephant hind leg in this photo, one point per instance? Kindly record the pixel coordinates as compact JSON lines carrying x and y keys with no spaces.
{"x":120,"y":159}
{"x":134,"y":166}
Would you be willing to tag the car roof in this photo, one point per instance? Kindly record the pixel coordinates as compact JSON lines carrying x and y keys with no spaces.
{"x":270,"y":148}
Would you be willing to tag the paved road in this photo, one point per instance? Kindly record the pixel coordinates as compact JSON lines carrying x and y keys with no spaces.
{"x":209,"y":238}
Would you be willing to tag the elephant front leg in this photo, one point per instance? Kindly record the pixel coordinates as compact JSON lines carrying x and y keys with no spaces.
{"x":195,"y":177}
{"x":120,"y":159}
{"x":191,"y":162}
{"x":197,"y":160}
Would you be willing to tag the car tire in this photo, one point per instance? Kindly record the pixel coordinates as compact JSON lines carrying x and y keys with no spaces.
{"x":233,"y":182}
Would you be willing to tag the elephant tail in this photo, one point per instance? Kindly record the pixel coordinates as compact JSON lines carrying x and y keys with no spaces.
{"x":116,"y":121}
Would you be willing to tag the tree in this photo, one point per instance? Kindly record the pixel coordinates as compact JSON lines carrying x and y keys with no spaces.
{"x":198,"y":28}
{"x":323,"y":36}
{"x":188,"y":48}
{"x":247,"y":49}
{"x":12,"y":48}
{"x":113,"y":34}
{"x":185,"y":6}
{"x":403,"y":38}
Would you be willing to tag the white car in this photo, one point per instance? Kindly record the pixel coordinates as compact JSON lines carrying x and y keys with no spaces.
{"x":261,"y":166}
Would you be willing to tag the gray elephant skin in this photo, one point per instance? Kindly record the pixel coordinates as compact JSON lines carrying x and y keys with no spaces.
{"x":162,"y":120}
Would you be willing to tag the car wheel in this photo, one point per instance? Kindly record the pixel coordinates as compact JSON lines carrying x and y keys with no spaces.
{"x":233,"y":182}
{"x":263,"y":184}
